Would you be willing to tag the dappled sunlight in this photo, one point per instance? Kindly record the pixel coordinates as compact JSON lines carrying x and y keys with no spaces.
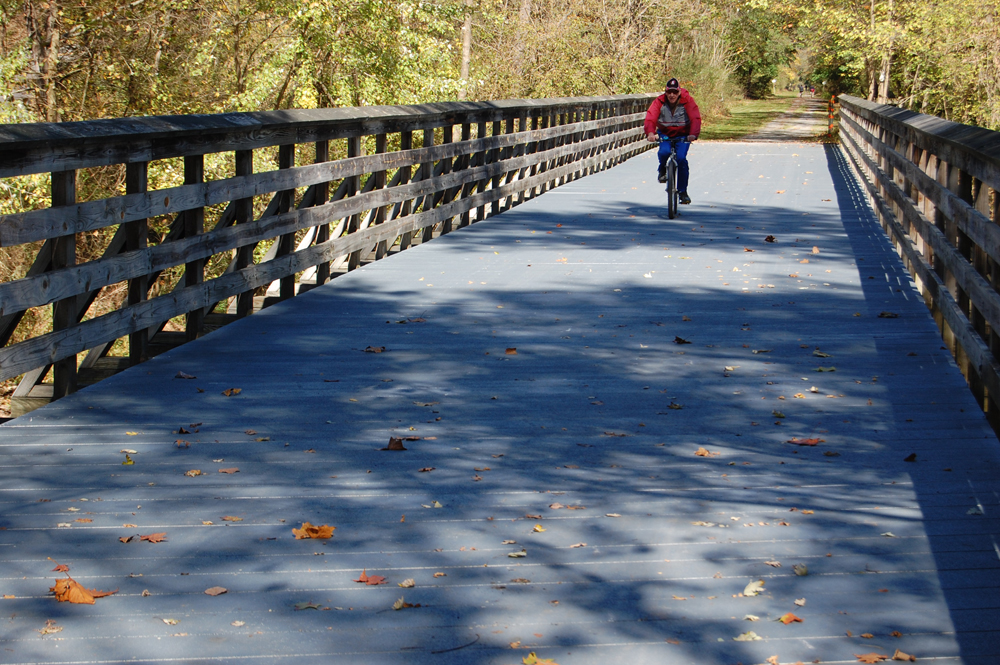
{"x":589,"y":430}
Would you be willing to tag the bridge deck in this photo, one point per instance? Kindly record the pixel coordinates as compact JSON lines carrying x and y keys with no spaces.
{"x":600,"y":409}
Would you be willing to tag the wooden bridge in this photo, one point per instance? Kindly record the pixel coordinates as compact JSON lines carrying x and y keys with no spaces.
{"x":733,"y":437}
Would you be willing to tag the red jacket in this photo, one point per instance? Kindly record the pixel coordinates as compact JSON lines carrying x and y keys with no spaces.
{"x":685,"y":120}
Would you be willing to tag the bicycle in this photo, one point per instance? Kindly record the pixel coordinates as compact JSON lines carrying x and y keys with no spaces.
{"x":671,"y":173}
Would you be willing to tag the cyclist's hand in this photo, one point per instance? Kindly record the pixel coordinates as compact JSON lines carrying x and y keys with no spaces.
{"x":652,"y":137}
{"x":692,"y":137}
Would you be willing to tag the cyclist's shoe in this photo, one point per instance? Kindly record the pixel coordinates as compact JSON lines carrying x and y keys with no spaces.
{"x":662,"y":177}
{"x":684,"y":198}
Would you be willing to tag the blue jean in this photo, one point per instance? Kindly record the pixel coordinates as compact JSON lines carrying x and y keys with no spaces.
{"x":683,"y":171}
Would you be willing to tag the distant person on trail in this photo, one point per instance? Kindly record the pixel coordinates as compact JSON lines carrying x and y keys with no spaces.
{"x":801,"y":88}
{"x":671,"y":115}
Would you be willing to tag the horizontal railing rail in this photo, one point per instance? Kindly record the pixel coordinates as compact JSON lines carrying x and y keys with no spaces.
{"x":474,"y":160}
{"x":933,"y":184}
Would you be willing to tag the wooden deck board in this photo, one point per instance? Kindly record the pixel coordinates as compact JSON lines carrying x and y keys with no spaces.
{"x":580,"y":416}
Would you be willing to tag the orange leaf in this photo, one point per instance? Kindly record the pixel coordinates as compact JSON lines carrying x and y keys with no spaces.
{"x":71,"y":591}
{"x":85,"y":520}
{"x":703,"y":452}
{"x":870,"y":657}
{"x":61,"y":568}
{"x":231,"y":518}
{"x":309,"y":531}
{"x":154,"y":537}
{"x":512,"y":351}
{"x":230,"y":470}
{"x":789,"y":618}
{"x":229,"y":392}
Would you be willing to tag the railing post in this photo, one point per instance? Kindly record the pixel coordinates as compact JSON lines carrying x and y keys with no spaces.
{"x":136,"y":232}
{"x":405,"y":143}
{"x":244,"y":215}
{"x":426,"y":173}
{"x":322,"y":196}
{"x":379,"y":217}
{"x":466,"y":164}
{"x":286,"y":200}
{"x":63,"y":256}
{"x":194,"y":224}
{"x":481,"y":161}
{"x":447,"y":135}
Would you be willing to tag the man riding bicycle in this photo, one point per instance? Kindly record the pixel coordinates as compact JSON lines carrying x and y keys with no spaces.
{"x":671,"y":115}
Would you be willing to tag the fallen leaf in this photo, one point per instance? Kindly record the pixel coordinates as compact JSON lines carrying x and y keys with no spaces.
{"x":890,"y":534}
{"x":576,"y":507}
{"x":680,"y":340}
{"x":307,"y":530}
{"x":476,"y":478}
{"x":407,"y":584}
{"x":751,"y":617}
{"x":753,"y":588}
{"x":899,"y":655}
{"x":801,"y":569}
{"x":578,"y":545}
{"x":748,"y":636}
{"x":773,"y":660}
{"x":400,"y":604}
{"x":780,"y":191}
{"x":517,"y":555}
{"x":808,"y":512}
{"x":216,"y":590}
{"x":815,"y":250}
{"x":521,"y":580}
{"x":777,"y":414}
{"x":867,"y":636}
{"x":307,"y":606}
{"x":128,"y":461}
{"x":532,"y":659}
{"x":61,"y":568}
{"x":154,"y":537}
{"x":896,"y":633}
{"x":612,"y":515}
{"x":126,"y":539}
{"x":374,"y":349}
{"x":888,"y":315}
{"x":805,"y":442}
{"x":801,"y":602}
{"x":370,"y":580}
{"x":826,"y":369}
{"x":556,"y":506}
{"x":511,"y":351}
{"x":538,"y":528}
{"x":395,"y":443}
{"x":85,"y":520}
{"x":871,"y":657}
{"x":912,"y":457}
{"x":427,"y":469}
{"x":170,"y":622}
{"x":192,"y":473}
{"x":71,"y":591}
{"x":770,"y":239}
{"x":773,"y":564}
{"x":184,"y":375}
{"x":229,"y":392}
{"x":440,"y":574}
{"x":231,"y":518}
{"x":702,"y":452}
{"x":128,"y":450}
{"x":676,"y":597}
{"x":789,"y":618}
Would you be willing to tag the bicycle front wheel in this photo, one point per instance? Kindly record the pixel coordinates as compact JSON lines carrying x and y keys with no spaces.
{"x":671,"y":189}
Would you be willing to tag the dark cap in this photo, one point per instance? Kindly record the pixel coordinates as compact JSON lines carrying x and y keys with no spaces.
{"x":673,"y":84}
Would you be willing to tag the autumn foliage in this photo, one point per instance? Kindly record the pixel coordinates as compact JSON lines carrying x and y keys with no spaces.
{"x":71,"y":591}
{"x":309,"y":531}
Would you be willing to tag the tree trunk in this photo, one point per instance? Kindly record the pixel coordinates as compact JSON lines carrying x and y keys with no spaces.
{"x":43,"y":31}
{"x":466,"y":51}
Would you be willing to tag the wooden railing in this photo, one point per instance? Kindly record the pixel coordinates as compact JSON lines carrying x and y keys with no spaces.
{"x":933,"y":184}
{"x":474,"y":160}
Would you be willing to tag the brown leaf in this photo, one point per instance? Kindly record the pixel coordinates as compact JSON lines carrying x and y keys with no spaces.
{"x":867,"y":636}
{"x":229,"y":470}
{"x":154,"y":537}
{"x":85,"y":520}
{"x":61,"y":568}
{"x":427,"y":469}
{"x":578,"y":545}
{"x":899,"y":655}
{"x":71,"y":591}
{"x":805,"y":442}
{"x":773,"y":660}
{"x":231,"y":518}
{"x":703,"y":452}
{"x":747,"y":249}
{"x":477,"y":477}
{"x":815,"y":249}
{"x":680,"y":340}
{"x":576,"y":507}
{"x":871,"y":657}
{"x":229,"y":392}
{"x":309,"y":531}
{"x":127,"y":539}
{"x":789,"y":618}
{"x":912,"y":457}
{"x":216,"y":590}
{"x":395,"y":443}
{"x":192,"y":473}
{"x":556,"y":506}
{"x":440,"y":574}
{"x":374,"y":349}
{"x":512,"y":351}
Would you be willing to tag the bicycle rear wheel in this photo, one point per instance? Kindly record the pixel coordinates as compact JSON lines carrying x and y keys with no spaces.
{"x":671,"y":189}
